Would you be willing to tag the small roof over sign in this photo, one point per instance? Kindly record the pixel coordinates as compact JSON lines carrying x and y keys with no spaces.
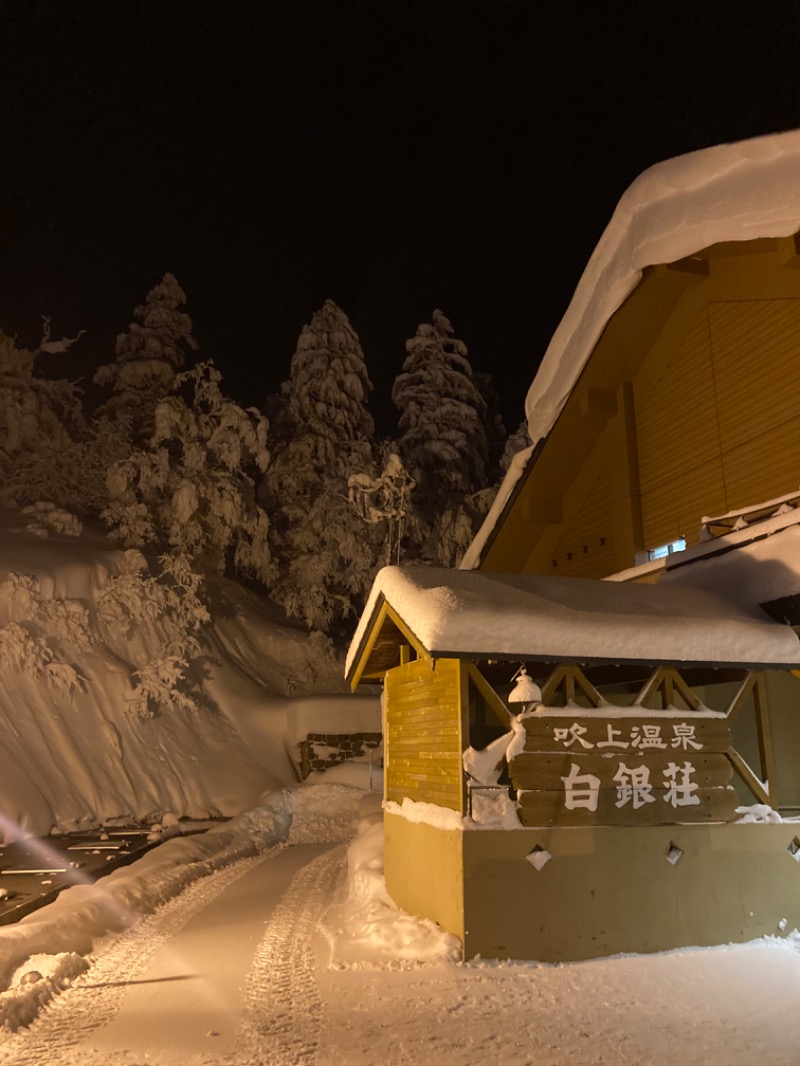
{"x":481,"y":615}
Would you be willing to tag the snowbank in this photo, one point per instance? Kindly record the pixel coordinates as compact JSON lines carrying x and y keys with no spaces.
{"x":78,"y":628}
{"x":82,"y":915}
{"x":367,"y":928}
{"x":751,"y":572}
{"x":43,"y":953}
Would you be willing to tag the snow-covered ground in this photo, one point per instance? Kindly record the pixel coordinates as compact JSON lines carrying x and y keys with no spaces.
{"x":289,"y":952}
{"x":266,"y":940}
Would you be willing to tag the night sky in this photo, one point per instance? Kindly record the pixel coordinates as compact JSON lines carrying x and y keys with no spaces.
{"x":393,"y":156}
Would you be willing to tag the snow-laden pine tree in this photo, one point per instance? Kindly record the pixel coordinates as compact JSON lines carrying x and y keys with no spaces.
{"x":443,"y":438}
{"x":493,"y":423}
{"x":192,"y":488}
{"x":41,"y":425}
{"x":321,"y":435}
{"x":149,"y":357}
{"x":442,"y":413}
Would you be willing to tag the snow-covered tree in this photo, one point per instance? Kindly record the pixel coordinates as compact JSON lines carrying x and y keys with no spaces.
{"x":493,"y":424}
{"x":443,"y":437}
{"x":149,"y":356}
{"x":321,"y":435}
{"x":170,"y":601}
{"x":442,"y":413}
{"x":384,"y":502}
{"x":192,"y":488}
{"x":41,"y":426}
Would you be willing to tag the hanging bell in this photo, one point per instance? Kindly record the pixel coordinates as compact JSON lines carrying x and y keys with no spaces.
{"x":525,"y":690}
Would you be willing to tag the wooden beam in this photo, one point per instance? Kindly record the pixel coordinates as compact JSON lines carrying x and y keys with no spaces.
{"x":650,"y":687}
{"x":369,"y":644}
{"x":551,"y":685}
{"x":679,"y":685}
{"x":692,"y":264}
{"x":583,"y":683}
{"x":756,"y":786}
{"x":496,"y":705}
{"x":413,"y":640}
{"x":764,"y":733}
{"x":385,"y":612}
{"x":737,"y":702}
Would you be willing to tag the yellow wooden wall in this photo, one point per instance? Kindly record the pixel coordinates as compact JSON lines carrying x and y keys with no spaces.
{"x":716,"y":427}
{"x":424,"y":730}
{"x":689,"y":406}
{"x":586,"y":546}
{"x":720,"y":429}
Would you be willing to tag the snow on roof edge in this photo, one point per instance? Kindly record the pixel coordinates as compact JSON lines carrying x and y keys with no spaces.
{"x":730,"y":192}
{"x":472,"y":556}
{"x":457,"y":614}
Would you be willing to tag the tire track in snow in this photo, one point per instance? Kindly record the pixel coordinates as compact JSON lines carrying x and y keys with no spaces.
{"x":283,"y":1004}
{"x":97,"y":995}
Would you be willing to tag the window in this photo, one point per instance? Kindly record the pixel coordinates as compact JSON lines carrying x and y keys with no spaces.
{"x":667,"y":549}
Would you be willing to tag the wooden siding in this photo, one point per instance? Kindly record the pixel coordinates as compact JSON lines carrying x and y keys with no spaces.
{"x":678,"y":441}
{"x":586,"y":548}
{"x":756,"y":353}
{"x":712,"y":361}
{"x":424,"y":725}
{"x":720,"y":427}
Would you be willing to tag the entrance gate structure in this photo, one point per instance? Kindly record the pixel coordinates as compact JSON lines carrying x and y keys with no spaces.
{"x":632,"y":806}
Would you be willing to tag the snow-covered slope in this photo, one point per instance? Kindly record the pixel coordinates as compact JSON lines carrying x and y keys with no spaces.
{"x":75,"y":745}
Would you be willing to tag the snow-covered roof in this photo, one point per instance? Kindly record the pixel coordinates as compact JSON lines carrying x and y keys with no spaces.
{"x":743,"y":568}
{"x":732,"y":192}
{"x":472,"y":614}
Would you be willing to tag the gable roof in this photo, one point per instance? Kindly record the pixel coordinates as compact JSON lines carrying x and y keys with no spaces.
{"x":480,"y":615}
{"x":732,"y":192}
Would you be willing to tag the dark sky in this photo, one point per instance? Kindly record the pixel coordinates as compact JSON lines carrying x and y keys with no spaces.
{"x":393,"y":156}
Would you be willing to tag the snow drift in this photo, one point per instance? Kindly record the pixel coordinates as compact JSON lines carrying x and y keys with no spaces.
{"x":79,"y":630}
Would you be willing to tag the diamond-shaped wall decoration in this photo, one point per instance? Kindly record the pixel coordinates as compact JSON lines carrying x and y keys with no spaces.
{"x":538,"y":857}
{"x":673,"y":854}
{"x":794,"y":848}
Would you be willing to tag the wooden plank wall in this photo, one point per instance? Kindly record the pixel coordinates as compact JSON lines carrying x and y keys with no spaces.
{"x":586,"y":548}
{"x":424,"y":723}
{"x":721,"y":427}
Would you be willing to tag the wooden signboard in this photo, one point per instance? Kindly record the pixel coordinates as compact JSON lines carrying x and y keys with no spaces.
{"x":582,"y":731}
{"x":630,"y":769}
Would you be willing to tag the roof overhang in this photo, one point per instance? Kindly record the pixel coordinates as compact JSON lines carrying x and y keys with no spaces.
{"x":476,"y":615}
{"x":718,"y":197}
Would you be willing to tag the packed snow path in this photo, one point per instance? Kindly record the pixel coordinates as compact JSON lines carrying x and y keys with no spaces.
{"x":235,"y":972}
{"x":203,"y":980}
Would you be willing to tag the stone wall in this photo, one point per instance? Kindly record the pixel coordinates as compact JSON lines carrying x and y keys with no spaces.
{"x":321,"y":751}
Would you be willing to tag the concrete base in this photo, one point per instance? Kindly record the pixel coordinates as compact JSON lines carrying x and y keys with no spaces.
{"x":604,"y":890}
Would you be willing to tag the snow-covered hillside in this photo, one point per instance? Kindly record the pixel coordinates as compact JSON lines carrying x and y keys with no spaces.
{"x":99,"y":716}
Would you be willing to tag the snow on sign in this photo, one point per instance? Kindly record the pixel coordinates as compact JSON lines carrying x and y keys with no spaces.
{"x":634,"y":770}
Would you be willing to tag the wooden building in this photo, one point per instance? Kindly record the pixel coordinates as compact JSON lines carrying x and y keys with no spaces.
{"x":671,"y":390}
{"x":665,"y":412}
{"x":640,"y":688}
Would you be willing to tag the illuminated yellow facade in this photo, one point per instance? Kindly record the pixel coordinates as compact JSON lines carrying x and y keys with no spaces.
{"x":688,"y":406}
